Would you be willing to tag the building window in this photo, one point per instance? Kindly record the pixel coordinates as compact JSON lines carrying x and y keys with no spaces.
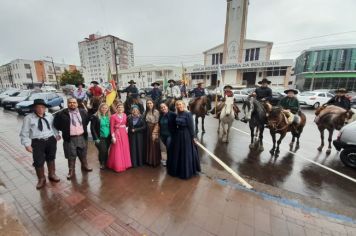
{"x":252,"y":54}
{"x":257,"y":54}
{"x":27,"y":66}
{"x":221,"y":58}
{"x":28,"y":75}
{"x":213,"y":59}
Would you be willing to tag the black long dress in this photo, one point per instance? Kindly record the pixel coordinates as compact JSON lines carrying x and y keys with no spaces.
{"x":136,"y":140}
{"x":184,"y":161}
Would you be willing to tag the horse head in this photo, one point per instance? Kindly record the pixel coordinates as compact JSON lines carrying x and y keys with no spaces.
{"x":248,"y":107}
{"x":275,"y":117}
{"x":228,"y":106}
{"x":351,"y":116}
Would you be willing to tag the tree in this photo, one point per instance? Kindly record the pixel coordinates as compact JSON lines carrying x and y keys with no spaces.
{"x":71,"y":77}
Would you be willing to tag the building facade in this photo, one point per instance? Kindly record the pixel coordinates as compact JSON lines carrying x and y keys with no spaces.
{"x":23,"y":74}
{"x":243,"y":62}
{"x":99,"y":54}
{"x":327,"y":67}
{"x":147,"y":74}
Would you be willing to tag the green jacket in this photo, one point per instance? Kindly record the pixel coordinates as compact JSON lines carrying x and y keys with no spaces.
{"x":290,"y":103}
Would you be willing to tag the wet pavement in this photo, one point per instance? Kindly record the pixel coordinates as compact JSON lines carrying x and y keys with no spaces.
{"x":310,"y":200}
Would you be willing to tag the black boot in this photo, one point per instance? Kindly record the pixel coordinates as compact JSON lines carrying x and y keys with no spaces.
{"x":85,"y":166}
{"x":52,"y":172}
{"x":41,"y":177}
{"x":71,"y":167}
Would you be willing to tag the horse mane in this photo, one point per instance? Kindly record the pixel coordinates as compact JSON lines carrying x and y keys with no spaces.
{"x":261,"y":111}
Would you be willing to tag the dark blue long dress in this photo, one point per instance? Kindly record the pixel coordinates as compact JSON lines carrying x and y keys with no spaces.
{"x":184,"y":160}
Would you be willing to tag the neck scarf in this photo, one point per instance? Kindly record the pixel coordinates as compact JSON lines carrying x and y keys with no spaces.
{"x":40,"y":125}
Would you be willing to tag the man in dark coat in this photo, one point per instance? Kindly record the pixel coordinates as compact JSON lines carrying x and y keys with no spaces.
{"x":199,"y":92}
{"x":72,"y":122}
{"x":155,"y":93}
{"x":131,"y":90}
{"x":263,"y":93}
{"x":340,"y":99}
{"x":290,"y":105}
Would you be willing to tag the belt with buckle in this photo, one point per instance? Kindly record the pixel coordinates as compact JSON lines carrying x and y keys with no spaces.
{"x":42,"y":139}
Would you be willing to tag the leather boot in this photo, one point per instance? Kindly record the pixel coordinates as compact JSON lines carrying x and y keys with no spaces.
{"x":41,"y":177}
{"x":71,"y":167}
{"x":85,"y":166}
{"x":52,"y":172}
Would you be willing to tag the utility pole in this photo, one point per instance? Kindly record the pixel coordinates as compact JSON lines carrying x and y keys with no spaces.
{"x":115,"y":61}
{"x":32,"y":86}
{"x":54,"y":70}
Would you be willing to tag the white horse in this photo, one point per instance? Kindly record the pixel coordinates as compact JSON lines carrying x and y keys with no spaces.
{"x":353,"y":116}
{"x":227,"y":116}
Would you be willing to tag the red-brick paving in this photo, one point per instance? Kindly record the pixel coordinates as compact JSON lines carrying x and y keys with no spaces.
{"x":144,"y":201}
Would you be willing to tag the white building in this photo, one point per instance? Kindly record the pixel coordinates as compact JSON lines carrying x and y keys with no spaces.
{"x":17,"y":73}
{"x":23,"y":74}
{"x":243,"y":62}
{"x":99,"y":53}
{"x":147,"y":74}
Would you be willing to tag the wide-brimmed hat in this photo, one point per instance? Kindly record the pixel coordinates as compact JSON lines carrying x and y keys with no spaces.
{"x":341,"y":90}
{"x":155,"y":83}
{"x":227,"y":86}
{"x":171,"y":80}
{"x":132,"y":82}
{"x":39,"y":102}
{"x":94,"y":82}
{"x":264,"y":81}
{"x":291,"y":90}
{"x":77,"y":85}
{"x":200,"y":83}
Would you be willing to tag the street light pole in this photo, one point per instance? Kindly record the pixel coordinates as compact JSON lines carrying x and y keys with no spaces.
{"x":115,"y":60}
{"x":54,"y":70}
{"x":32,"y":86}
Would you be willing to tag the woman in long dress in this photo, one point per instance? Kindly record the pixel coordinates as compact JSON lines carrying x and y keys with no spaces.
{"x":167,"y":126}
{"x":184,"y":161}
{"x":119,"y":156}
{"x":136,"y":129}
{"x":153,"y":149}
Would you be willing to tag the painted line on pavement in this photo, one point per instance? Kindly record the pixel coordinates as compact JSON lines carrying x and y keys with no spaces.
{"x":306,"y":159}
{"x":228,"y":169}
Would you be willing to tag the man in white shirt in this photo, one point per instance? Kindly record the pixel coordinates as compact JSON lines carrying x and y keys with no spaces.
{"x":173,"y":90}
{"x":40,"y":138}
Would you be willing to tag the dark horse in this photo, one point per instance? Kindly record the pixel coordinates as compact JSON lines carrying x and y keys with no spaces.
{"x":94,"y":104}
{"x":330,"y":118}
{"x":278,"y":124}
{"x":133,"y":101}
{"x":171,"y":103}
{"x":198,"y":108}
{"x":255,"y":115}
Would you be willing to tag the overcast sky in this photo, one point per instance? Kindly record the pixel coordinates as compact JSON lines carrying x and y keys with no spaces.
{"x":166,"y":31}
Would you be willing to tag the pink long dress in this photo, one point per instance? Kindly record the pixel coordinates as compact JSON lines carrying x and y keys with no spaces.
{"x":119,"y":155}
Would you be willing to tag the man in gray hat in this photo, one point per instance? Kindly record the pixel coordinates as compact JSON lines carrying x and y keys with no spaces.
{"x":40,"y":138}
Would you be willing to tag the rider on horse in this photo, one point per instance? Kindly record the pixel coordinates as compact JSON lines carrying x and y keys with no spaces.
{"x":227,"y":93}
{"x":95,"y":90}
{"x":155,"y":93}
{"x":340,"y":99}
{"x":132,"y":96}
{"x":290,"y":105}
{"x":199,"y":92}
{"x":173,"y":90}
{"x":263,"y":93}
{"x":79,"y":93}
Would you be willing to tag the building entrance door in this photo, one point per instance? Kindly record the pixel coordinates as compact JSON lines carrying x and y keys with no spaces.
{"x":249,"y":79}
{"x":214,"y":80}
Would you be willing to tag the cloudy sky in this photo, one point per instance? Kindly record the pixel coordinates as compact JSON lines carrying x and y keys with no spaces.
{"x":167,"y":31}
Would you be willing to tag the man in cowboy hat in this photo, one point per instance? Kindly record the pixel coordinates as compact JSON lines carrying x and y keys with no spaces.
{"x":80,"y":94}
{"x":340,"y":99}
{"x":131,"y":90}
{"x":155,"y":93}
{"x":227,"y":93}
{"x":199,"y":92}
{"x":173,"y":90}
{"x":73,"y":122}
{"x":95,"y":90}
{"x":290,"y":105}
{"x":40,"y":138}
{"x":263,"y":93}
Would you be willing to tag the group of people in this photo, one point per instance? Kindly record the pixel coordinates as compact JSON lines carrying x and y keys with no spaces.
{"x":123,"y":141}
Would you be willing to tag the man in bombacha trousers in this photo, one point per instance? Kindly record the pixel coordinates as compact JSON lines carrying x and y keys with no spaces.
{"x":72,"y":122}
{"x":39,"y":137}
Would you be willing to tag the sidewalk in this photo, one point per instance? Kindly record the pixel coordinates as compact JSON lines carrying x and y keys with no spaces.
{"x":142,"y":201}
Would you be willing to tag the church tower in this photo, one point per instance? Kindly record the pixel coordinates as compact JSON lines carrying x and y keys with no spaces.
{"x":235,"y":33}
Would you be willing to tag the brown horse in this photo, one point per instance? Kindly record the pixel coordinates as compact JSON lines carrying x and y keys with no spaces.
{"x":133,"y":101}
{"x":94,"y":104}
{"x":198,"y":108}
{"x":278,"y":124}
{"x":330,"y":118}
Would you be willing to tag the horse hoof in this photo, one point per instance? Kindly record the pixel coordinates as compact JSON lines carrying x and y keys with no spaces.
{"x":277,"y":152}
{"x":271,"y":151}
{"x":276,"y":155}
{"x":328,"y":152}
{"x":291,"y":144}
{"x":261,"y":148}
{"x":320,"y":149}
{"x":203,"y":132}
{"x":251,"y":146}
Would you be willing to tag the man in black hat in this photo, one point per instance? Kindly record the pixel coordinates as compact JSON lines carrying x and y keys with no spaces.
{"x":131,"y":90}
{"x":173,"y":90}
{"x":155,"y":93}
{"x":227,"y":93}
{"x":199,"y":92}
{"x":95,"y":90}
{"x":40,"y":138}
{"x":340,"y":99}
{"x":263,"y":93}
{"x":290,"y":105}
{"x":73,"y":124}
{"x":80,"y":94}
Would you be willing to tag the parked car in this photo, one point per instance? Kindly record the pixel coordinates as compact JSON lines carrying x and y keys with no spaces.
{"x":346,"y":141}
{"x":276,"y":97}
{"x":51,"y":99}
{"x":314,"y":98}
{"x":249,"y":91}
{"x":68,"y":89}
{"x":8,"y":93}
{"x":10,"y":102}
{"x":48,"y":89}
{"x":240,"y":95}
{"x":144,"y":91}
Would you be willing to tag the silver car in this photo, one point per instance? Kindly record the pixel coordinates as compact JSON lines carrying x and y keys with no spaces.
{"x":347,"y":141}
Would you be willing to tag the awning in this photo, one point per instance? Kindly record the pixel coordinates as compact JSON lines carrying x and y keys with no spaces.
{"x":331,"y":75}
